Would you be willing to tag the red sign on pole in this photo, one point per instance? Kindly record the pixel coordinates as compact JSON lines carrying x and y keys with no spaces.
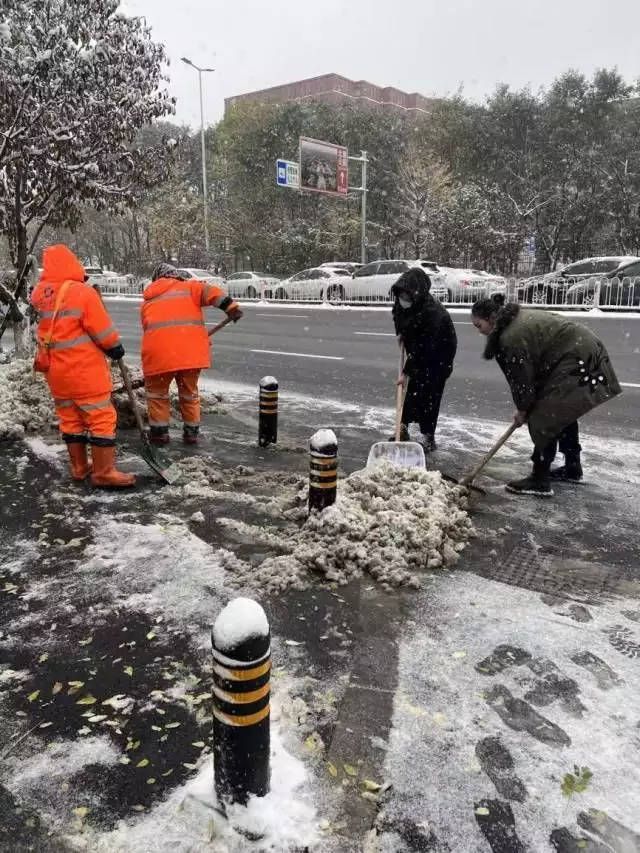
{"x":324,"y":167}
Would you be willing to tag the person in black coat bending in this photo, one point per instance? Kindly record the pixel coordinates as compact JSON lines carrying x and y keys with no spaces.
{"x":425,"y":329}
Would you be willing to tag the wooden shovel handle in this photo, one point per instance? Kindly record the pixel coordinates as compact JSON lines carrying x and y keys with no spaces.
{"x":400,"y":394}
{"x":221,"y":325}
{"x":126,"y":378}
{"x":466,"y":481}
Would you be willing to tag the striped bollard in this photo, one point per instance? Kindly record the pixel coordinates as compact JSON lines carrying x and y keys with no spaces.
{"x":268,"y":420}
{"x":323,"y":470}
{"x":241,"y":642}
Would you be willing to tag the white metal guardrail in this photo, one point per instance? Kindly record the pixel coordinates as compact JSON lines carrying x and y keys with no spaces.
{"x":594,"y":293}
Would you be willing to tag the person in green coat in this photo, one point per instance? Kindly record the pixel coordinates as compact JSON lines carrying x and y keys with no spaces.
{"x":557,"y":371}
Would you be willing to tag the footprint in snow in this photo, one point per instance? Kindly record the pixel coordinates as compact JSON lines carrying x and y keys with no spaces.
{"x":618,"y":838}
{"x":502,"y":658}
{"x":605,"y":677}
{"x":498,"y":825}
{"x":521,"y":717}
{"x":497,"y":762}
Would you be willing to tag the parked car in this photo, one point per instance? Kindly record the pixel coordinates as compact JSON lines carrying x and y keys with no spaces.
{"x":466,"y":286}
{"x":620,"y":287}
{"x":312,"y":284}
{"x":349,"y":266}
{"x":551,"y":289}
{"x":373,"y":282}
{"x":202,"y":275}
{"x":250,"y":285}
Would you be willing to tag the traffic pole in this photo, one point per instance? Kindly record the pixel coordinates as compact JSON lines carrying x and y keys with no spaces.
{"x":323,"y":470}
{"x":268,"y":416}
{"x":241,"y":641}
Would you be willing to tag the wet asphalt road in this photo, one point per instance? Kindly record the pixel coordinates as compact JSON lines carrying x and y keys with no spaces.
{"x":352,"y":356}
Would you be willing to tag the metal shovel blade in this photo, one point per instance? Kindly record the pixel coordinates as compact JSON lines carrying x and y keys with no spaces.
{"x":405,"y":454}
{"x":166,"y":469}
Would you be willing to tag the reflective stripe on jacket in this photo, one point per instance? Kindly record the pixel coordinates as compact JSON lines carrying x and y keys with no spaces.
{"x":82,"y":331}
{"x":174,"y":333}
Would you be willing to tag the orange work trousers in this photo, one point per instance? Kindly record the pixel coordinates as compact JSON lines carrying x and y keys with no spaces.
{"x":157,"y":388}
{"x":93,"y":415}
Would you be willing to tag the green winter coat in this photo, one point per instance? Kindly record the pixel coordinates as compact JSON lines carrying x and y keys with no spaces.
{"x":557,"y":370}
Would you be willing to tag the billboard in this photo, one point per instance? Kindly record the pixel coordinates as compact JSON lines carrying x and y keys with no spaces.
{"x":324,"y":168}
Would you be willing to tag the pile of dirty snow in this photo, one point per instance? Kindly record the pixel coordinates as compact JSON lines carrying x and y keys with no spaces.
{"x":25,"y":401}
{"x":388,"y":522}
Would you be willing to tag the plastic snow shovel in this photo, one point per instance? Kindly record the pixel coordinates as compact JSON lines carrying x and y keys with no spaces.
{"x":467,"y":481}
{"x":406,"y":454}
{"x":169,"y":472}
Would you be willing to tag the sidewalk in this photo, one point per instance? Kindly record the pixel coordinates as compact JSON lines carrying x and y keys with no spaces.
{"x":427,"y":719}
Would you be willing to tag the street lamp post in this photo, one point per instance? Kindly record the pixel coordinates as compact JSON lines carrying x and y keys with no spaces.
{"x":202,"y":71}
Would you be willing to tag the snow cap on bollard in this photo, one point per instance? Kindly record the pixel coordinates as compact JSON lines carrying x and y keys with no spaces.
{"x":323,"y":469}
{"x":268,"y":415}
{"x":241,"y":641}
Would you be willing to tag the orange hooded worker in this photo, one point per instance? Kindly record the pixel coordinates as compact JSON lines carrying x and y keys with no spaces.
{"x":175,"y":345}
{"x":75,"y":335}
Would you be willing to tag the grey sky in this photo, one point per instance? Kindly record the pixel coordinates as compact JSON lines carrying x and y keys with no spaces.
{"x":429,"y":46}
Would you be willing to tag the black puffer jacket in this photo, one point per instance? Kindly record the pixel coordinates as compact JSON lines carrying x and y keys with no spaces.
{"x":426,"y":328}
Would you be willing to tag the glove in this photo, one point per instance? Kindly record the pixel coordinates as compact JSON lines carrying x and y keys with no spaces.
{"x":115,"y":353}
{"x":235,"y":312}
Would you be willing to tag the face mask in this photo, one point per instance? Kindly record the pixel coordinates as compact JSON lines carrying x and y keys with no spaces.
{"x":405,"y":302}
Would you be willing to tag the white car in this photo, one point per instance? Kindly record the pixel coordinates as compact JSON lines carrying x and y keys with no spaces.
{"x":466,"y":286}
{"x":373,"y":282}
{"x":316,"y":283}
{"x":250,"y":285}
{"x":202,"y":275}
{"x":349,"y":266}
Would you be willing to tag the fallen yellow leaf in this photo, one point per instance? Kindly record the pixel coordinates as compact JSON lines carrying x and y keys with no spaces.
{"x":332,"y":769}
{"x":87,"y":700}
{"x":143,"y":763}
{"x":350,"y":770}
{"x":128,"y":670}
{"x":43,"y":657}
{"x":57,"y":687}
{"x":371,"y":786}
{"x":81,"y":811}
{"x":33,"y":696}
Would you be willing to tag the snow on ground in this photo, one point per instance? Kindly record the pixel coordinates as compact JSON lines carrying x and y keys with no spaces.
{"x":488,"y":661}
{"x":26,"y":405}
{"x":387,"y":522}
{"x":186,"y":822}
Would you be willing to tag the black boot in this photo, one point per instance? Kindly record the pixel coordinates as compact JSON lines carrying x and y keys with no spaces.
{"x":159,"y":435}
{"x":570,"y":472}
{"x":404,"y":434}
{"x":428,"y":442}
{"x":538,"y":483}
{"x":190,"y":434}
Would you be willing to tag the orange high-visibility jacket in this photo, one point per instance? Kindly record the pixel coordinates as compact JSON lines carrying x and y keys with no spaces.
{"x":82,"y":331}
{"x":174,"y":333}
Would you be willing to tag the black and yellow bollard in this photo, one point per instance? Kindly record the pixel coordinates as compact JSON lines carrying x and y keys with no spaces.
{"x":268,"y":420}
{"x":241,"y":641}
{"x":323,"y":471}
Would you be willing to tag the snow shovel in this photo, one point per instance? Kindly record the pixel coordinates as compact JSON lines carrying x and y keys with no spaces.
{"x":406,"y":454}
{"x":467,"y":481}
{"x":169,"y":472}
{"x":220,"y":326}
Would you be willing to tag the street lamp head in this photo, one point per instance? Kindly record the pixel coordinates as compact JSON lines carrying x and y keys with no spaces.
{"x":187,"y":61}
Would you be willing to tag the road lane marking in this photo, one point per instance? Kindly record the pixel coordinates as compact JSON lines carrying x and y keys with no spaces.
{"x":293,"y":316}
{"x":630,"y":384}
{"x":377,"y":334}
{"x":298,"y":354}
